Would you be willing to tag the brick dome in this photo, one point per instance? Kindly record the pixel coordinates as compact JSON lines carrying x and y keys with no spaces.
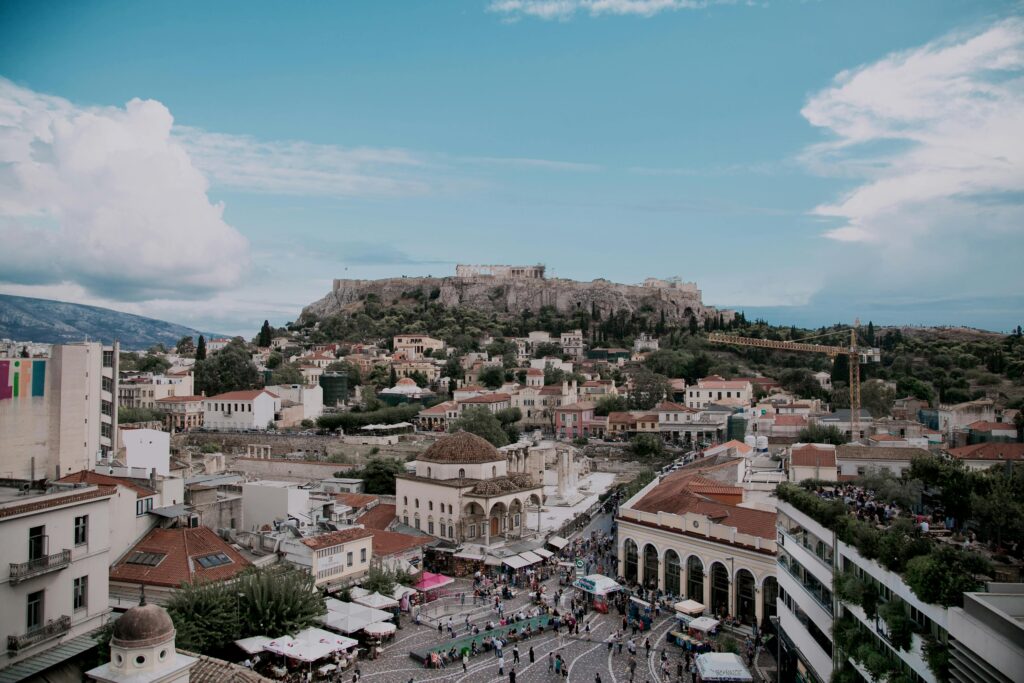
{"x":461,"y":448}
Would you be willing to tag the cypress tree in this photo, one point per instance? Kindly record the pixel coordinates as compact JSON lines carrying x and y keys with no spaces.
{"x":201,"y":348}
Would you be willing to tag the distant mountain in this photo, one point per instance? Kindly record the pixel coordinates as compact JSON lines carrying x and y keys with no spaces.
{"x":56,"y":322}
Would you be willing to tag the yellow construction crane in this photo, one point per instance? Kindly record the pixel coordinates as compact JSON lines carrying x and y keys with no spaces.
{"x":857,"y":355}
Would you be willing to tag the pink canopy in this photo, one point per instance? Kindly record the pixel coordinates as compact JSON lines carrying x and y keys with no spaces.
{"x":430,"y":581}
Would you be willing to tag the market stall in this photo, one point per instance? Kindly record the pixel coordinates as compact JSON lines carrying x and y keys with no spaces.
{"x":596,"y":588}
{"x":688,"y":610}
{"x":692,"y":634}
{"x":314,"y":645}
{"x":349,"y":617}
{"x":705,"y":625}
{"x":641,"y":612}
{"x":722,"y":667}
{"x":376,"y":601}
{"x":253,"y":645}
{"x":557,"y":542}
{"x":430,"y":585}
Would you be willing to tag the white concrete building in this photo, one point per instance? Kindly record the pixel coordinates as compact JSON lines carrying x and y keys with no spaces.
{"x":414,"y":346}
{"x":143,"y":391}
{"x":714,"y":389}
{"x":264,"y":502}
{"x":53,"y":581}
{"x":236,"y":410}
{"x":57,"y":414}
{"x":310,"y":398}
{"x":335,"y":559}
{"x":148,"y":449}
{"x":572,"y":344}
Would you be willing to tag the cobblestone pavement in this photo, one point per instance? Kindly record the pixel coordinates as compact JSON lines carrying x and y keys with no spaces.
{"x":586,"y":657}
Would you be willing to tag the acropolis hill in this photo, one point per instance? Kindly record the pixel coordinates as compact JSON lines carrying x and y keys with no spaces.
{"x":508,"y":289}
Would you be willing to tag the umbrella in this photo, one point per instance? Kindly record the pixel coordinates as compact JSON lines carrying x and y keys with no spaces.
{"x":381,"y":628}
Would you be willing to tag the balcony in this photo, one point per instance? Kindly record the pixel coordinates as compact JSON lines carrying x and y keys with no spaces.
{"x":52,"y":629}
{"x":41,"y":565}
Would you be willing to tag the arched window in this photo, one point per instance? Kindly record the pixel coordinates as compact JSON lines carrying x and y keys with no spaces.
{"x":428,"y":473}
{"x":462,"y":473}
{"x":430,"y":505}
{"x":449,"y":508}
{"x":417,"y":501}
{"x":405,"y":500}
{"x":494,"y":470}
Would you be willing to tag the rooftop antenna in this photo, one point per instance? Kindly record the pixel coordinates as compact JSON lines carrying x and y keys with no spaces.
{"x":142,"y":595}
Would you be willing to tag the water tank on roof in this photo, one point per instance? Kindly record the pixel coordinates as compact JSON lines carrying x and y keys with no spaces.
{"x":751,"y":441}
{"x":762,"y":444}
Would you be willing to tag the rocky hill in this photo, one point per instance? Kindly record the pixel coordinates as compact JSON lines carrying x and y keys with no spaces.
{"x":56,"y":322}
{"x":676,"y":300}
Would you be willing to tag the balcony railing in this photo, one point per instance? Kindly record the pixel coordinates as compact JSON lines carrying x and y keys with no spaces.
{"x":52,"y":629}
{"x":41,"y":565}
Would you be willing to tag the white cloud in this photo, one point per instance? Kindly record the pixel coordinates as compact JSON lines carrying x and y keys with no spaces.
{"x":934,"y":137}
{"x":566,"y":9}
{"x":301,"y":168}
{"x":108,"y":199}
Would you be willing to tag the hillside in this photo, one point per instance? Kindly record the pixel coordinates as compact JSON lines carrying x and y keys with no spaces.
{"x":55,"y":322}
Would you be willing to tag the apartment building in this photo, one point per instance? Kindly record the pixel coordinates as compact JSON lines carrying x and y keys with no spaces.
{"x":53,"y":581}
{"x":57,"y":414}
{"x":415,"y":346}
{"x":715,"y":389}
{"x":181,"y":413}
{"x":335,"y":559}
{"x":144,"y":391}
{"x":241,"y":410}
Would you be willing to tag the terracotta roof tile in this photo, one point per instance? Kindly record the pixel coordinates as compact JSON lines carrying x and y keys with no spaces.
{"x":989,"y":451}
{"x":813,"y":456}
{"x":242,"y":395}
{"x":356,"y":500}
{"x":336,"y":538}
{"x":181,"y":549}
{"x":790,"y":421}
{"x":377,"y":518}
{"x":983,"y":426}
{"x":487,"y":398}
{"x":674,"y":495}
{"x":91,"y":477}
{"x":390,"y":542}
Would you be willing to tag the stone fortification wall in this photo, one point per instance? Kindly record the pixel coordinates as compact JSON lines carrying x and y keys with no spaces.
{"x":678,"y":301}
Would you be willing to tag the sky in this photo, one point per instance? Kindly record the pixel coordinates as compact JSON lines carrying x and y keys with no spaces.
{"x":811,"y":162}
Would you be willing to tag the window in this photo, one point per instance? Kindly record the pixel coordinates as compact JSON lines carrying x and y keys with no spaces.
{"x":428,"y":473}
{"x":494,"y":471}
{"x":108,"y":359}
{"x":80,"y":593}
{"x":405,"y":520}
{"x":405,"y":500}
{"x":146,"y":559}
{"x":471,"y":531}
{"x":143,"y":506}
{"x":362,"y":555}
{"x":106,"y":407}
{"x":108,"y":384}
{"x":430,"y":528}
{"x":430,"y":505}
{"x":82,"y":530}
{"x":417,"y":502}
{"x":214,"y":560}
{"x":348,"y":559}
{"x":449,"y":508}
{"x":36,"y":542}
{"x":34,"y":613}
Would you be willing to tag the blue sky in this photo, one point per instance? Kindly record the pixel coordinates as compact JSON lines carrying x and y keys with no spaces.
{"x":808,"y":161}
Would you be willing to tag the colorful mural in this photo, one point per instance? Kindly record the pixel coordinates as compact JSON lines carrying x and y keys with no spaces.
{"x":22,"y":378}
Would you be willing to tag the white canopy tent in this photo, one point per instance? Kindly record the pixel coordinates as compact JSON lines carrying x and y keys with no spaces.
{"x":703,"y":624}
{"x":309,"y":645}
{"x":720,"y":667}
{"x":349,"y":617}
{"x":544,"y":552}
{"x":254,"y":644}
{"x":377,"y":601}
{"x":558,"y":542}
{"x":357,"y":592}
{"x":531,"y":557}
{"x":516,"y":562}
{"x":401,"y":591}
{"x":689,"y":607}
{"x":381,"y":628}
{"x":598,"y":584}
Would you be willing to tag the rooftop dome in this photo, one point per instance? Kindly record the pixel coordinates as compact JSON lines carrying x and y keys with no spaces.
{"x":461,"y":447}
{"x":143,"y":626}
{"x":406,"y":382}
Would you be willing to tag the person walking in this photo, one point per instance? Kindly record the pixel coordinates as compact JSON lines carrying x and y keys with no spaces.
{"x":531,"y":654}
{"x":551,"y":662}
{"x":647,"y":646}
{"x":465,"y":661}
{"x":501,"y":665}
{"x":512,"y":675}
{"x":515,"y":654}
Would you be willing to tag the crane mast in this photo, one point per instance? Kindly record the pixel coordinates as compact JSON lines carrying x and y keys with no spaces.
{"x":855,"y":353}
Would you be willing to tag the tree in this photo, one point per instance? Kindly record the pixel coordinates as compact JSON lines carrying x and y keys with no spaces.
{"x":648,"y":389}
{"x":378,"y":475}
{"x":274,"y":360}
{"x":286,"y":374}
{"x":129,"y":415}
{"x":612,"y":403}
{"x":801,"y":382}
{"x":816,"y":433}
{"x":230,"y":370}
{"x":646,"y":445}
{"x":186,"y":345}
{"x":877,"y":398}
{"x":545,"y":349}
{"x":508,"y":419}
{"x":553,"y":375}
{"x":155,"y":364}
{"x":265,"y":336}
{"x":492,"y":376}
{"x":483,"y":423}
{"x":201,"y":348}
{"x":209,"y":616}
{"x":453,"y":368}
{"x":944,"y":575}
{"x":420,"y":378}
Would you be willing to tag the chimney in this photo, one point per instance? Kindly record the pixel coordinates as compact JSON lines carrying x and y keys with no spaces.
{"x":152,"y":478}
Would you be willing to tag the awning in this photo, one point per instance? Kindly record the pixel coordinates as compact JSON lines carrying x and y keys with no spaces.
{"x":492,"y":561}
{"x":401,"y":591}
{"x":171,"y":511}
{"x":543,"y":552}
{"x":516,"y":562}
{"x":377,"y":601}
{"x":465,"y":555}
{"x":381,"y":628}
{"x":722,"y":666}
{"x":558,"y":542}
{"x":310,"y":645}
{"x":638,"y":601}
{"x":691,"y":607}
{"x":703,"y":624}
{"x":430,"y":581}
{"x":348,"y":617}
{"x":253,"y":645}
{"x":27,"y":668}
{"x":597,"y":584}
{"x":357,"y":592}
{"x":531,"y":557}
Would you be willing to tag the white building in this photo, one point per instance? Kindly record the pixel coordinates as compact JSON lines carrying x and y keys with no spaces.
{"x":237,"y":410}
{"x":148,"y":449}
{"x":215,"y":345}
{"x":311,"y":398}
{"x":335,"y":558}
{"x":264,"y":502}
{"x":57,"y":414}
{"x":572,"y":344}
{"x":145,"y":390}
{"x":463,"y":489}
{"x":53,"y":580}
{"x":415,"y":346}
{"x":714,"y":389}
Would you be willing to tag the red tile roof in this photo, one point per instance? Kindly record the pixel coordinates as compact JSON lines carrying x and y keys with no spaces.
{"x":670,"y":407}
{"x":91,"y":477}
{"x":242,"y":395}
{"x":336,"y":538}
{"x":812,"y":456}
{"x":989,"y":451}
{"x":379,"y":517}
{"x":580,"y":407}
{"x":790,"y":421}
{"x":623,"y":417}
{"x":180,"y":399}
{"x":551,"y":390}
{"x":675,"y":495}
{"x":983,"y":426}
{"x":355,"y":500}
{"x":534,"y":371}
{"x":487,"y":398}
{"x":390,"y":542}
{"x":439,"y":409}
{"x":181,"y":549}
